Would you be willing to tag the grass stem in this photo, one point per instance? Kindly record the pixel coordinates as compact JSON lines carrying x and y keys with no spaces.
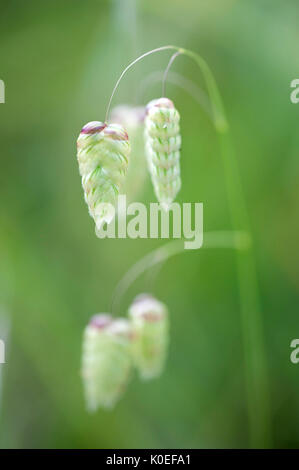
{"x":257,"y":387}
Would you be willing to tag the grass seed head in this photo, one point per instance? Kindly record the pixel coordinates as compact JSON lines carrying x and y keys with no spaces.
{"x":149,"y":319}
{"x":162,"y":144}
{"x":103,"y":152}
{"x":106,"y":360}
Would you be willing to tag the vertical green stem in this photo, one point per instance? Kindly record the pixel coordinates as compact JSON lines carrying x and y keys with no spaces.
{"x":253,"y":337}
{"x":254,"y":351}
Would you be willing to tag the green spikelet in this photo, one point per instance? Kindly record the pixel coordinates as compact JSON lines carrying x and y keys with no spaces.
{"x":163,"y":143}
{"x":103,"y":153}
{"x":149,"y":319}
{"x":106,"y":360}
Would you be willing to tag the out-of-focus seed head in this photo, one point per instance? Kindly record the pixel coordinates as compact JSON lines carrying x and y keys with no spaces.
{"x":106,"y":360}
{"x":149,"y":319}
{"x":103,"y":152}
{"x":132,"y":119}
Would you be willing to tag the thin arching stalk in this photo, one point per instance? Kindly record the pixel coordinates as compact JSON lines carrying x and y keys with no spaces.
{"x":199,"y":95}
{"x":219,"y":239}
{"x":255,"y":360}
{"x":172,"y":59}
{"x":159,"y":49}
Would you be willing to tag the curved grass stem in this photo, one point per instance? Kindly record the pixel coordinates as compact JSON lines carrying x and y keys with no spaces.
{"x":178,"y":80}
{"x":172,"y":59}
{"x":219,"y":239}
{"x":158,"y":49}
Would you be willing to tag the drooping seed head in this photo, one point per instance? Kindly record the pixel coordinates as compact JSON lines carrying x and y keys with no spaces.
{"x":103,"y":152}
{"x":163,"y":143}
{"x":106,"y":360}
{"x":149,"y":319}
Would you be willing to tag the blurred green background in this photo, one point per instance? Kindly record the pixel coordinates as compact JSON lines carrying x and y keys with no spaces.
{"x":59,"y":61}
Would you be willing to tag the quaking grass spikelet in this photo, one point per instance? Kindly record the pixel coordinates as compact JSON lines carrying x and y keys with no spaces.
{"x":103,"y":154}
{"x":106,"y":360}
{"x":163,"y":143}
{"x":149,"y":320}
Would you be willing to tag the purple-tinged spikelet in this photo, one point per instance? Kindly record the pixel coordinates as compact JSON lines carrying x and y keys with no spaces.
{"x":149,"y":320}
{"x":103,"y":152}
{"x":106,"y":360}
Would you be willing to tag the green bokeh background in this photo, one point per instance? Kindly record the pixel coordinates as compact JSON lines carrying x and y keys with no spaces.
{"x":59,"y":61}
